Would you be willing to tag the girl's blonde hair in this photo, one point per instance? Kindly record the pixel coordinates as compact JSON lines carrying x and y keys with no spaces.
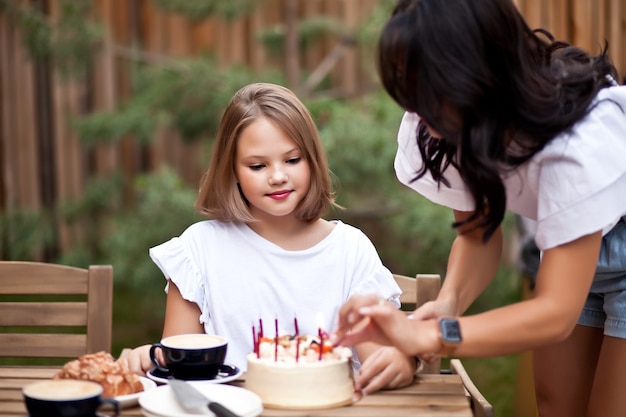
{"x":219,"y":197}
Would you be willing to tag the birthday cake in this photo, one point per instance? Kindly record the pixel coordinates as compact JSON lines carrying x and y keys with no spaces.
{"x":301,"y":372}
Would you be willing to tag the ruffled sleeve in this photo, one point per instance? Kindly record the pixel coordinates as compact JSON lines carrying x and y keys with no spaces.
{"x":580,"y":177}
{"x":380,"y":281}
{"x":370,"y":276}
{"x":175,"y":261}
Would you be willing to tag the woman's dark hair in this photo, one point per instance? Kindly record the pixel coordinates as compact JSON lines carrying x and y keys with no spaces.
{"x":495,"y":90}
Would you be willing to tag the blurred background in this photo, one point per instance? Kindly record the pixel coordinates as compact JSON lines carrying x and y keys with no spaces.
{"x":109,"y":108}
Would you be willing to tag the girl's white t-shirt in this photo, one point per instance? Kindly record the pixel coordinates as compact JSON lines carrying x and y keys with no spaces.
{"x":237,"y":278}
{"x":575,"y":186}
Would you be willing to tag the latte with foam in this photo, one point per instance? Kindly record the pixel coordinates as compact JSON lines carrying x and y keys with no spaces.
{"x":193,"y":341}
{"x":63,"y":390}
{"x":65,"y":398}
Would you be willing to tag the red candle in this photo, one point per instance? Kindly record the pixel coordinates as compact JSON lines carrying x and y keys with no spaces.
{"x":321,"y":336}
{"x":254,"y":346}
{"x":276,"y":340}
{"x":295,"y":324}
{"x":260,"y":328}
{"x":258,"y":345}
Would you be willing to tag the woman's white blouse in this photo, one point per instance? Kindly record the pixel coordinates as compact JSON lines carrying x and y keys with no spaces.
{"x":573,"y":187}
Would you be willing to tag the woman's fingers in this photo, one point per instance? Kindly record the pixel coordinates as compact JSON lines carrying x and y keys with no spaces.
{"x":363,"y":319}
{"x":350,"y":320}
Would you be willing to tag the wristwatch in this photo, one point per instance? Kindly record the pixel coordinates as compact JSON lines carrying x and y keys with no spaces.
{"x":449,"y":335}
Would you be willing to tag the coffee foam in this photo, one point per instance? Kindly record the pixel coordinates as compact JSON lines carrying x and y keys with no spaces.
{"x":62,"y":390}
{"x":193,"y":341}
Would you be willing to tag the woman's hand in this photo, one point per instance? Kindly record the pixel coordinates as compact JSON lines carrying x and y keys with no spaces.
{"x":366,"y":318}
{"x":433,"y":310}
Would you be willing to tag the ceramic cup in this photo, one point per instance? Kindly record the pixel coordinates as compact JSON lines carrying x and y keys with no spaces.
{"x":65,"y":398}
{"x":191,"y":356}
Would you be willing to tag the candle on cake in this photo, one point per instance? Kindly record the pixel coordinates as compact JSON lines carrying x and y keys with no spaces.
{"x":255,"y":344}
{"x":320,"y":332}
{"x":276,"y":339}
{"x":295,"y":325}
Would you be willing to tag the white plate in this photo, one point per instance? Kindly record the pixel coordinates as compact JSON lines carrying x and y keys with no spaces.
{"x":227,"y":373}
{"x":130,"y":400}
{"x":161,"y":402}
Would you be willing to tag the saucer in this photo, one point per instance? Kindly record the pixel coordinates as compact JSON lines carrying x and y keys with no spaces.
{"x":162,"y":402}
{"x":226,"y":373}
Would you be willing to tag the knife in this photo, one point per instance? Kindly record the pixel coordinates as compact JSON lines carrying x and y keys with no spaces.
{"x":192,"y":399}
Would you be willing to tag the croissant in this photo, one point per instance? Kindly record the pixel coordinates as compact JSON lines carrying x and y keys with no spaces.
{"x":114,"y":376}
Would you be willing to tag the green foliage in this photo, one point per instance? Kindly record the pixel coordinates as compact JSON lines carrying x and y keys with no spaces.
{"x":359,"y":138}
{"x":163,"y":210}
{"x":201,"y":9}
{"x":188,"y":96}
{"x":69,"y":43}
{"x":411,"y":234}
{"x":91,"y":212}
{"x":23,"y":233}
{"x":310,"y":32}
{"x":102,"y":195}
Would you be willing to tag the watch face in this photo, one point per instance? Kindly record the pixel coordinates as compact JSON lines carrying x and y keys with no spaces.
{"x":450,"y":330}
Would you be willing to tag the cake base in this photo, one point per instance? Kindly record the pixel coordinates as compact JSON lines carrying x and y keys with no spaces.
{"x":295,"y":386}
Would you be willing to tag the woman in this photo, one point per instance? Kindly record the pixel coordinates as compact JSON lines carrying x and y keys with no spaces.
{"x":502,"y":117}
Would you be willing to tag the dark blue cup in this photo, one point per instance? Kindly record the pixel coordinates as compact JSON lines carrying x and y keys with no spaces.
{"x":190,"y":356}
{"x":65,"y":398}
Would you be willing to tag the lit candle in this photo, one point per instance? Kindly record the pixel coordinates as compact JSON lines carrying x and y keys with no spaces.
{"x":295,"y":324}
{"x":276,"y":339}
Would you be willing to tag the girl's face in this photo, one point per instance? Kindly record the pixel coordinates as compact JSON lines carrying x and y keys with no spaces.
{"x":270,"y":169}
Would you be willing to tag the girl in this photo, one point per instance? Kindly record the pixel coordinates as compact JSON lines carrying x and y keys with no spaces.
{"x":502,"y":117}
{"x":267,"y":254}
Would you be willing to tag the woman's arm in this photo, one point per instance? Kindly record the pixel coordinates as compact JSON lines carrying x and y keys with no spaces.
{"x":472,"y":264}
{"x":563,"y":282}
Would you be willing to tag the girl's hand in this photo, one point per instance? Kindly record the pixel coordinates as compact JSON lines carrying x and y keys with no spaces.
{"x":139,"y":359}
{"x":385,"y":368}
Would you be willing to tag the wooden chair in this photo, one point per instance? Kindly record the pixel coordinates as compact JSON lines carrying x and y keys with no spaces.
{"x":415,"y":292}
{"x":54,"y":311}
{"x":480,"y":406}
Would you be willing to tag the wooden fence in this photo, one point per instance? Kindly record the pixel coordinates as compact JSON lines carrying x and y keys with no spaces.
{"x":41,"y":158}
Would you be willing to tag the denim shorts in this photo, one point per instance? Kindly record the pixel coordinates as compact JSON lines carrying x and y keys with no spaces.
{"x":606,"y":303}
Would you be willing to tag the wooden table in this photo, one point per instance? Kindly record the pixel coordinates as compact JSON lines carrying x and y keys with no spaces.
{"x":430,"y":396}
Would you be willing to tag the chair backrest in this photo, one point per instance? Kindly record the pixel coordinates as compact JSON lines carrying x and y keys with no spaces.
{"x":480,"y":406}
{"x":415,"y":292}
{"x":54,"y":311}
